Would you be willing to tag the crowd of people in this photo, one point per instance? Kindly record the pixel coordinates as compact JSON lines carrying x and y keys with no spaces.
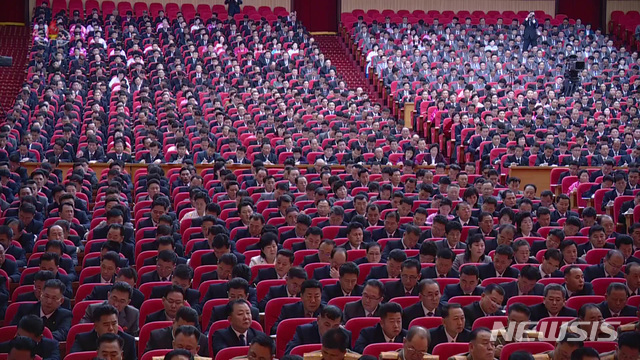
{"x":311,"y":194}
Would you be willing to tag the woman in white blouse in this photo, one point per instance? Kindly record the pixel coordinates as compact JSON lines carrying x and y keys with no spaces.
{"x":268,"y":250}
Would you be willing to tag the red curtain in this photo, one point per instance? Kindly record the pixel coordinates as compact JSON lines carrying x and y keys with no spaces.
{"x":589,"y":11}
{"x":318,"y":15}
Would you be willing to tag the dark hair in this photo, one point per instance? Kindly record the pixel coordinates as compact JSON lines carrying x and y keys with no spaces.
{"x":265,"y":341}
{"x":331,"y":312}
{"x":109,"y":338}
{"x":446,"y":309}
{"x":521,"y":308}
{"x":32,"y":324}
{"x":310,"y":284}
{"x":582,"y":352}
{"x":102,"y":310}
{"x":388,"y":308}
{"x":336,"y":339}
{"x":23,"y":343}
{"x":188,"y":331}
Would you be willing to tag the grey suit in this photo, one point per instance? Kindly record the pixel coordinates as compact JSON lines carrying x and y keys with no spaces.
{"x":127,"y":319}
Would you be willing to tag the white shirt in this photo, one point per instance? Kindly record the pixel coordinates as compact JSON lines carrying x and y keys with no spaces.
{"x":449,"y":338}
{"x":43,"y":314}
{"x":239,"y":333}
{"x":386,"y":338}
{"x":103,"y":281}
{"x":427,"y":311}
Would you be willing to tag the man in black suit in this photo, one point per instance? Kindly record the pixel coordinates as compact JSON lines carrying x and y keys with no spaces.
{"x":284,"y":262}
{"x":347,"y":284}
{"x":597,"y":240}
{"x":154,"y":155}
{"x":31,"y":326}
{"x":338,"y":257}
{"x":406,"y":286}
{"x":610,"y":267}
{"x":452,"y":328}
{"x":443,"y":266}
{"x":550,"y":264}
{"x":10,"y":267}
{"x":50,"y":262}
{"x":526,"y":284}
{"x":517,"y":159}
{"x":172,"y":301}
{"x":56,"y":318}
{"x":562,"y":209}
{"x":409,"y":240}
{"x":296,"y":276}
{"x":501,"y":265}
{"x":393,"y":267}
{"x":237,"y":288}
{"x":574,"y":282}
{"x":547,"y":158}
{"x":309,"y":306}
{"x":429,"y":304}
{"x":485,"y":227}
{"x":369,"y":306}
{"x":453,"y":231}
{"x":162,"y":338}
{"x":615,"y":302}
{"x":182,"y":277}
{"x":490,"y":304}
{"x":620,"y":189}
{"x":330,"y":318}
{"x":105,"y":321}
{"x":553,"y":304}
{"x":388,"y":330}
{"x":391,"y":228}
{"x":239,"y":332}
{"x":127,"y":275}
{"x":120,"y":298}
{"x":165,"y":265}
{"x":108,"y":268}
{"x":468,"y":285}
{"x":530,"y":31}
{"x":266,"y":156}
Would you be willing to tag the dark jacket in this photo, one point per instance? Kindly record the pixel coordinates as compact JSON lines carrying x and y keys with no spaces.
{"x":355,"y":309}
{"x":455,"y":290}
{"x":290,"y":311}
{"x":309,"y":334}
{"x":597,"y":271}
{"x":511,"y":290}
{"x":88,"y":342}
{"x":374,"y":335}
{"x":394,"y":289}
{"x":473,"y":311}
{"x":606,"y":312}
{"x":225,"y":338}
{"x":439,"y":336}
{"x":332,"y":291}
{"x":47,"y":349}
{"x":59,"y":322}
{"x":416,"y":311}
{"x":489,"y":270}
{"x":539,"y":311}
{"x":163,"y":338}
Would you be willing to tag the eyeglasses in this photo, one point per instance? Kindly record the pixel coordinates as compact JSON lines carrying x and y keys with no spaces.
{"x":369,"y":297}
{"x":411,"y":349}
{"x":409,"y":277}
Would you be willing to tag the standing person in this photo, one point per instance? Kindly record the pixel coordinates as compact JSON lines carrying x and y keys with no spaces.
{"x":234,"y":7}
{"x":530,"y":30}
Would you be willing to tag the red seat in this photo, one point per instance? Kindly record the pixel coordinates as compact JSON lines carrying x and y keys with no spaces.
{"x":634,"y":301}
{"x":9,"y":332}
{"x":376,"y":349}
{"x":365,"y":269}
{"x":490,"y":322}
{"x":74,"y":331}
{"x":447,"y":350}
{"x":300,"y":254}
{"x":204,"y":287}
{"x":272,"y":310}
{"x":207,"y":310}
{"x":550,"y":327}
{"x":12,"y":310}
{"x":85,"y":290}
{"x":149,"y":355}
{"x":145,"y":333}
{"x":300,"y":350}
{"x":620,"y":320}
{"x":600,"y":285}
{"x":80,"y":308}
{"x":426,"y":322}
{"x":285,"y":331}
{"x":496,"y":280}
{"x":83,"y":355}
{"x":528,"y":300}
{"x":405,"y":301}
{"x":464,"y":300}
{"x":262,"y":288}
{"x":355,"y":325}
{"x":601,"y":346}
{"x":310,"y":268}
{"x":148,"y":307}
{"x":532,"y":347}
{"x":343,"y":300}
{"x":595,"y":256}
{"x":575,"y":302}
{"x":147,"y":288}
{"x":443,"y":282}
{"x":231,"y":352}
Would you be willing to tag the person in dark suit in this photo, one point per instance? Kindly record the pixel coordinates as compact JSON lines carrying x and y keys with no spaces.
{"x":10,"y":267}
{"x":610,"y":267}
{"x":165,"y":266}
{"x":574,"y":282}
{"x":553,"y":304}
{"x":330,"y":317}
{"x":182,"y":276}
{"x":391,"y":228}
{"x":57,"y":319}
{"x":429,"y":304}
{"x":127,"y":275}
{"x":309,"y":306}
{"x":550,"y":264}
{"x":388,"y":330}
{"x":453,"y":231}
{"x":562,"y":209}
{"x":530,"y":31}
{"x":50,"y":262}
{"x":597,"y":240}
{"x":526,"y":284}
{"x":347,"y":284}
{"x":284,"y":259}
{"x":119,"y":297}
{"x":407,"y":285}
{"x":239,"y":332}
{"x":391,"y":270}
{"x":108,"y":267}
{"x":469,"y":280}
{"x":162,"y":338}
{"x":31,"y":326}
{"x":105,"y":321}
{"x":409,"y":240}
{"x":443,"y":266}
{"x":620,"y":189}
{"x":338,"y":256}
{"x":517,"y":159}
{"x":172,"y":300}
{"x":490,"y":304}
{"x":236,"y":288}
{"x":501,"y":265}
{"x":453,"y":326}
{"x":369,"y":306}
{"x":266,"y":156}
{"x":615,"y":302}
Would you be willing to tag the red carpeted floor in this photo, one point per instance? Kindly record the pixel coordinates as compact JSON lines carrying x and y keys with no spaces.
{"x":335,"y":50}
{"x":15,"y":41}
